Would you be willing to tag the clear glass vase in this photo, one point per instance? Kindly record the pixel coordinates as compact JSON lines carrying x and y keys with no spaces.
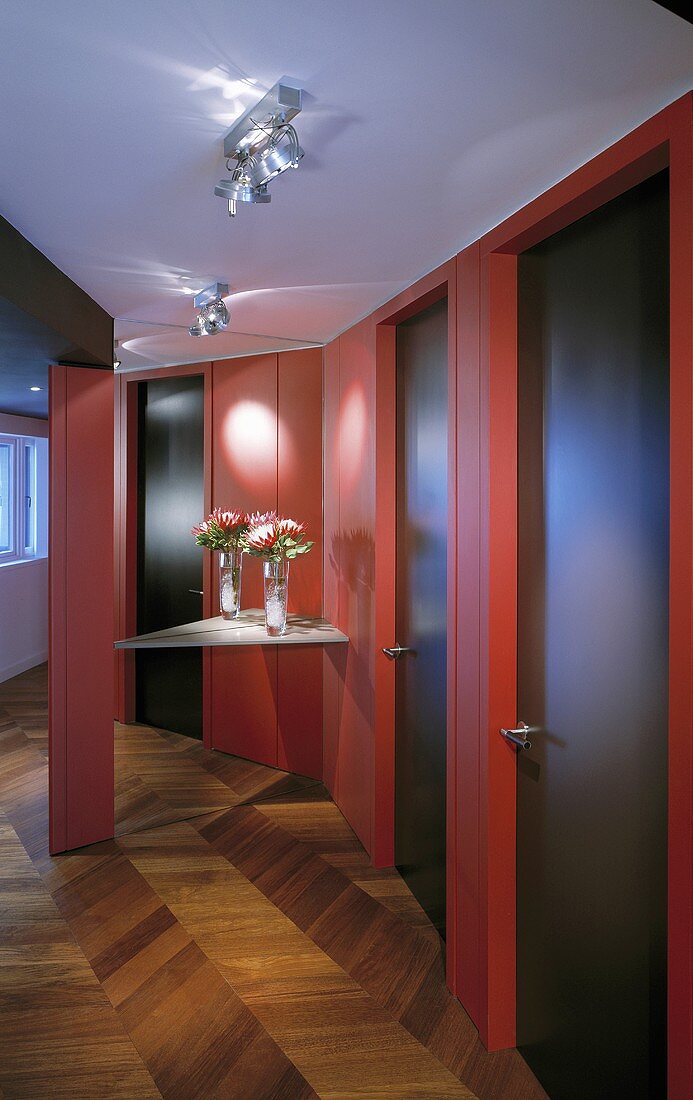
{"x":230,"y":574}
{"x":276,"y":575}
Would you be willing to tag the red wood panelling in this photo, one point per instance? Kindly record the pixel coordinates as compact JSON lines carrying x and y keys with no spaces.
{"x":57,"y":611}
{"x":244,"y":702}
{"x":267,"y":454}
{"x":81,"y":607}
{"x":469,"y":646}
{"x":244,"y":475}
{"x":452,"y":802}
{"x":334,"y":657}
{"x":385,"y":567}
{"x":299,"y":495}
{"x":118,"y":503}
{"x":299,"y":485}
{"x":497,"y":758}
{"x":681,"y":608}
{"x":299,"y":710}
{"x":354,"y":549}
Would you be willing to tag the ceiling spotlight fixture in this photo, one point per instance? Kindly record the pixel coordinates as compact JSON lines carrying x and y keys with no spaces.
{"x":213,"y":316}
{"x":35,"y":389}
{"x":260,"y":146}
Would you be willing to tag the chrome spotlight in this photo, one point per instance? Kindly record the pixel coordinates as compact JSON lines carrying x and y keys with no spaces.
{"x":234,"y":190}
{"x":262,"y":144}
{"x":213,"y":316}
{"x":282,"y":152}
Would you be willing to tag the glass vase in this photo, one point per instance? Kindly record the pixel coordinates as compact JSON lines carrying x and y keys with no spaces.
{"x":276,"y":575}
{"x":230,"y":574}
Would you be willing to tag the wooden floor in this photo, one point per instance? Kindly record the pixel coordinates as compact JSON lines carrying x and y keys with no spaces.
{"x":232,"y":941}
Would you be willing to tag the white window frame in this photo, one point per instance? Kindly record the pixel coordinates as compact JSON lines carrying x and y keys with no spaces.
{"x":23,"y":534}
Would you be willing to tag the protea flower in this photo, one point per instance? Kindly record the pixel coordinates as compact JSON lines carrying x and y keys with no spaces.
{"x":291,"y":527}
{"x":224,"y":529}
{"x":229,"y":521}
{"x":202,"y":528}
{"x":273,"y":537}
{"x":263,"y":537}
{"x":256,"y":519}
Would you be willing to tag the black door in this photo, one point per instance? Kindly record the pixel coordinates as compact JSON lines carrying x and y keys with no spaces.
{"x":169,"y":581}
{"x":420,"y":720}
{"x":593,"y":660}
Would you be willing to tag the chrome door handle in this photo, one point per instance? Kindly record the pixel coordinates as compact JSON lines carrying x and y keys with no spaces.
{"x":518,"y":736}
{"x":393,"y":653}
{"x":195,"y":591}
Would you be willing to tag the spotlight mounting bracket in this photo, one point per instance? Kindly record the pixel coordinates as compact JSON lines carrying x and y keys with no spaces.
{"x":280,"y":104}
{"x":210,"y":293}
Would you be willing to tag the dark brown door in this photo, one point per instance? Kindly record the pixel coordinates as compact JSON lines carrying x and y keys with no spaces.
{"x":593,"y":659}
{"x":420,"y":719}
{"x":169,"y":578}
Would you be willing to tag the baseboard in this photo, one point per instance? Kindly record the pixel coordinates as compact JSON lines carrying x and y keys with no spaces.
{"x":9,"y":671}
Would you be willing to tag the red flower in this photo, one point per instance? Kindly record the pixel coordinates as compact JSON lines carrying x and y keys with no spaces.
{"x":229,"y":521}
{"x":262,"y":537}
{"x":202,"y":528}
{"x":256,"y":519}
{"x":291,"y":528}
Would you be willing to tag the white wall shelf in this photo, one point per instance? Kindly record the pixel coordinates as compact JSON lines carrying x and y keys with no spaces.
{"x":247,"y":629}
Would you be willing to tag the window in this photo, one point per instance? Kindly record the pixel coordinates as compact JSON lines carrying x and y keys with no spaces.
{"x":22,"y":499}
{"x":6,"y":501}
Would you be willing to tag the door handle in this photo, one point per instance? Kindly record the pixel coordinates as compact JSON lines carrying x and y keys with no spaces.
{"x":393,"y":653}
{"x":518,"y":736}
{"x":196,"y":591}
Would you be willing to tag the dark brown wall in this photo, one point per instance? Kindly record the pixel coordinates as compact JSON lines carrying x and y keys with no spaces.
{"x":30,"y":281}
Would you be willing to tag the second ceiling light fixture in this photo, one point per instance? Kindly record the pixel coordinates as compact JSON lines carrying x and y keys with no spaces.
{"x":213,"y":316}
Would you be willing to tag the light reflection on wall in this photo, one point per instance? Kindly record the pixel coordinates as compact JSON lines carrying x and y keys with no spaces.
{"x":351,"y":432}
{"x":249,"y":435}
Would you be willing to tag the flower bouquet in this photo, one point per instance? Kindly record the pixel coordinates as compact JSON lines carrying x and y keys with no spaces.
{"x":277,"y":541}
{"x":224,"y":532}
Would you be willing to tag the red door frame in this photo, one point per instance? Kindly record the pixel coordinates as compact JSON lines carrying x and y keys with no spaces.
{"x":439,"y":284}
{"x":490,"y":333}
{"x":125,"y":551}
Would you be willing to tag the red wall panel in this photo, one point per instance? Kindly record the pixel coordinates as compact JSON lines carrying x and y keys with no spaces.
{"x":299,"y":495}
{"x":470,"y":644}
{"x":353,"y":551}
{"x":299,"y":474}
{"x":681,"y":620}
{"x":299,"y":710}
{"x":266,"y":703}
{"x":244,"y":475}
{"x":81,"y":607}
{"x":244,"y":702}
{"x":334,"y":657}
{"x":497,"y":759}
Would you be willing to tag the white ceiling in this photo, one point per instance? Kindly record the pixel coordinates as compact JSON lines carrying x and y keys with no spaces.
{"x":425,"y":122}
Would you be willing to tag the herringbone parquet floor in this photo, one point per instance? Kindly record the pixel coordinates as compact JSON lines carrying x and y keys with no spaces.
{"x":232,"y":941}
